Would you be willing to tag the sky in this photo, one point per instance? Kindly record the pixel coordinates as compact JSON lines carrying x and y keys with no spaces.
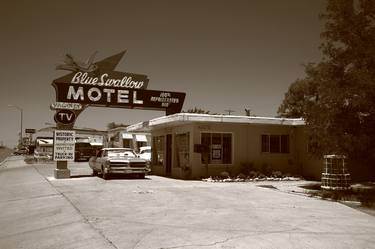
{"x":225,"y":55}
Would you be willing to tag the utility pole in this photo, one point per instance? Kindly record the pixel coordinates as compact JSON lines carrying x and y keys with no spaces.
{"x":21,"y":111}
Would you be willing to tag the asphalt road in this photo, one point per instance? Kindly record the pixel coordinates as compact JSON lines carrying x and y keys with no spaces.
{"x":39,"y":211}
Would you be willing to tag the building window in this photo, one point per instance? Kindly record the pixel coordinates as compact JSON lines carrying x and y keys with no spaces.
{"x":158,"y":145}
{"x":275,"y":143}
{"x":127,"y":143}
{"x":220,"y":147}
{"x":182,"y":150}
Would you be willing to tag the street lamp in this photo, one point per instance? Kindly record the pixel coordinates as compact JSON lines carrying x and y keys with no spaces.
{"x":21,"y":111}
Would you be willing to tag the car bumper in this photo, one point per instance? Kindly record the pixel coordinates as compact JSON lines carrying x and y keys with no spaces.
{"x":121,"y":170}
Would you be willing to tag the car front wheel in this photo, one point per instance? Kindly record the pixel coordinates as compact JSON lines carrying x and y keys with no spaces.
{"x":104,"y":174}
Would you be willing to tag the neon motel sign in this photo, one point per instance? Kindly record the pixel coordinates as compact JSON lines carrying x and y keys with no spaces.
{"x":108,"y":88}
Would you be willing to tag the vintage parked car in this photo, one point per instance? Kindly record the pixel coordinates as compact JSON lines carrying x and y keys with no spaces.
{"x":145,"y":153}
{"x":117,"y":161}
{"x":21,"y":151}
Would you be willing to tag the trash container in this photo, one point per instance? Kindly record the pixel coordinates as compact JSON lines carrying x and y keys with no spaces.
{"x":335,"y":175}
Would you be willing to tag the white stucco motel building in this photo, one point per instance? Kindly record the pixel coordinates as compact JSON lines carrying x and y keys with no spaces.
{"x":230,"y":141}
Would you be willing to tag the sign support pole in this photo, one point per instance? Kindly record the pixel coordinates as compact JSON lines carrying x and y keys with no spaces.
{"x":61,"y":170}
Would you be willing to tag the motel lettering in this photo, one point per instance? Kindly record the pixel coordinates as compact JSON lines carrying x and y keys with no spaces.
{"x":105,"y":80}
{"x":109,"y":95}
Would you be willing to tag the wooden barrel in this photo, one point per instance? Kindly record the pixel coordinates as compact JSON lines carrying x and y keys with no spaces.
{"x":335,"y":175}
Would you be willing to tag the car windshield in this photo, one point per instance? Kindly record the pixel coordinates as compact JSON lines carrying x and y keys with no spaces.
{"x":146,"y":151}
{"x":120,"y":153}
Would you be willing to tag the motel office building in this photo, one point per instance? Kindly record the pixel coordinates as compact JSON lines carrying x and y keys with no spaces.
{"x":276,"y":143}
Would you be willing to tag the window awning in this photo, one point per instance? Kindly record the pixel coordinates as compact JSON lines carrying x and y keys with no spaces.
{"x":45,"y":142}
{"x":141,"y":138}
{"x":96,"y":144}
{"x":127,"y":136}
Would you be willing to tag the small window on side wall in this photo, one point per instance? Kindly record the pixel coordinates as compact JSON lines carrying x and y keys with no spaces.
{"x":275,"y":143}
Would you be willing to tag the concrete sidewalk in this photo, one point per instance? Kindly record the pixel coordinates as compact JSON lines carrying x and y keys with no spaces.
{"x":41,"y":212}
{"x":35,"y":215}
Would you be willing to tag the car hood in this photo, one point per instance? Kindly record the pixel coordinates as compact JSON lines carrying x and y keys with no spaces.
{"x":121,"y":159}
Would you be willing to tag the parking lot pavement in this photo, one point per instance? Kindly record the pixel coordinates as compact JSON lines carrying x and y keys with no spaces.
{"x":159,"y":212}
{"x":35,"y":215}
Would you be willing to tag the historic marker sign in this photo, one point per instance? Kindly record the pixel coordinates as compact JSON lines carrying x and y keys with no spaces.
{"x":63,"y":145}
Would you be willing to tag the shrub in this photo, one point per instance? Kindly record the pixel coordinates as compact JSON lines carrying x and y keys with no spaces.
{"x":253,"y":174}
{"x":241,"y":176}
{"x":367,"y":198}
{"x":276,"y":174}
{"x":246,"y":168}
{"x":265,"y":169}
{"x":224,"y":174}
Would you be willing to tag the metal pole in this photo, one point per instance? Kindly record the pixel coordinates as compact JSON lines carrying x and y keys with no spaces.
{"x":21,"y":126}
{"x":21,"y":112}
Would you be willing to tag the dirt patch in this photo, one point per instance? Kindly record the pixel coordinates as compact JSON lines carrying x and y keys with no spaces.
{"x":4,"y":153}
{"x":360,"y":196}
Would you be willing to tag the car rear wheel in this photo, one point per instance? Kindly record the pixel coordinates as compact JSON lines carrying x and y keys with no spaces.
{"x":94,"y":172}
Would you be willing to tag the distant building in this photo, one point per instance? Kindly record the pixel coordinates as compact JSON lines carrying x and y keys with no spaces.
{"x":120,"y":137}
{"x":43,"y":148}
{"x":228,"y":143}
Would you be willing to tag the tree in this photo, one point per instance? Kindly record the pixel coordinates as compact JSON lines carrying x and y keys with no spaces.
{"x":337,"y":96}
{"x":197,"y":110}
{"x":113,"y":125}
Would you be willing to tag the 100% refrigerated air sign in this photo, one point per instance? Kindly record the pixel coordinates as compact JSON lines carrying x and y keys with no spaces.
{"x":63,"y":145}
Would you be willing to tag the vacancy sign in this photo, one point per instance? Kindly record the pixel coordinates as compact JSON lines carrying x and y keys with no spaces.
{"x":63,"y":145}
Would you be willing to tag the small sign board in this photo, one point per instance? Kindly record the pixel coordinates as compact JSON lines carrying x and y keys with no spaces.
{"x":30,"y":131}
{"x":66,"y":105}
{"x":63,"y":145}
{"x":65,"y":117}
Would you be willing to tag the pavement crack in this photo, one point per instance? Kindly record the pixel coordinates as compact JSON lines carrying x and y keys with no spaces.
{"x":85,"y":219}
{"x":33,"y":197}
{"x":209,"y":244}
{"x":227,"y":239}
{"x":143,"y":237}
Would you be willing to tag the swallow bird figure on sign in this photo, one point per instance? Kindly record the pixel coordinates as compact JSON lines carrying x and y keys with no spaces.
{"x":74,"y":65}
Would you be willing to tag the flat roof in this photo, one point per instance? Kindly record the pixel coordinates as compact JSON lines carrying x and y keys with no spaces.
{"x":185,"y":118}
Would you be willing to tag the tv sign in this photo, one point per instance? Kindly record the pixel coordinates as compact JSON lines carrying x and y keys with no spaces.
{"x":65,"y":117}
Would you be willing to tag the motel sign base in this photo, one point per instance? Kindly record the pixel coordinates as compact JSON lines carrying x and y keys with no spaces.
{"x":62,"y":170}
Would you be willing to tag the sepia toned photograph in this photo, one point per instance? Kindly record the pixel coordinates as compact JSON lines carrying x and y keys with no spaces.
{"x":175,"y":124}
